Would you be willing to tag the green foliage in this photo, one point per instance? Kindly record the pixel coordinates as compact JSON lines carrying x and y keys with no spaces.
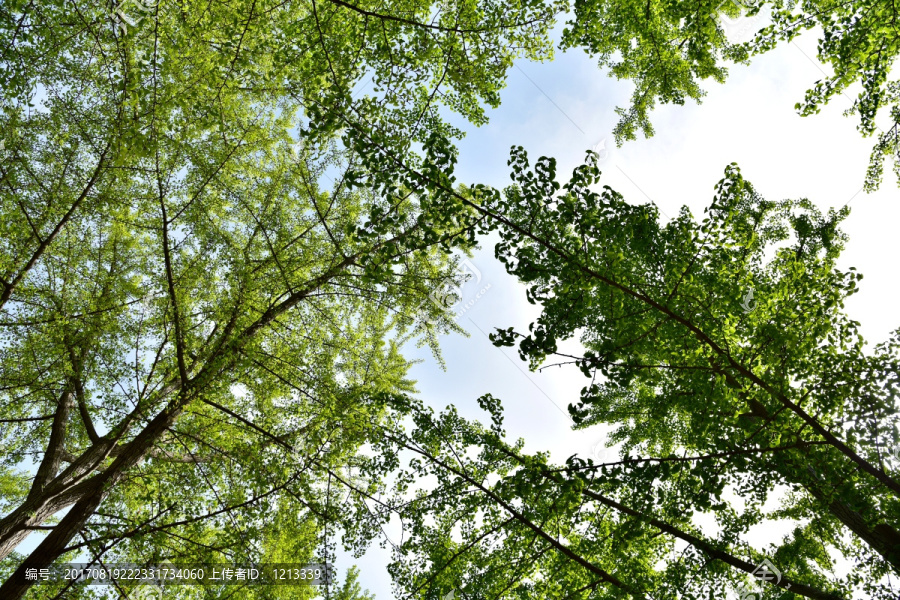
{"x":736,"y":414}
{"x":351,"y":590}
{"x":764,"y":389}
{"x":668,"y":48}
{"x":664,"y":47}
{"x":201,"y":318}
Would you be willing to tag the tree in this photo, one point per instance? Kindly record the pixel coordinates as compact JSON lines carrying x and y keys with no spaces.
{"x":720,"y":353}
{"x":668,"y":48}
{"x":196,"y":332}
{"x":199,"y":334}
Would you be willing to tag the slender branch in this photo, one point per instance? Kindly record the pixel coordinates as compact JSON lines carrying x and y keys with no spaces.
{"x":8,"y":287}
{"x":25,"y":419}
{"x":706,"y":547}
{"x":676,"y":459}
{"x":561,"y":548}
{"x":173,"y":297}
{"x":384,"y":17}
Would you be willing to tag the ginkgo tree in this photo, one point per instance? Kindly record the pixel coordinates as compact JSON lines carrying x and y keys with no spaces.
{"x":220,"y":221}
{"x":735,"y":413}
{"x":200,"y":307}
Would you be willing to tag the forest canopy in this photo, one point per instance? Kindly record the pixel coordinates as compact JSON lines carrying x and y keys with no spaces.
{"x":215,"y":243}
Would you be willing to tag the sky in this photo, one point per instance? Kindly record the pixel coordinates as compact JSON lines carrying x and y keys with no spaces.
{"x":565,"y":107}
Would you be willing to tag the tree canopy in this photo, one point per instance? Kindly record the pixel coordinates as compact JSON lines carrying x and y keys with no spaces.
{"x":668,"y":48}
{"x":220,"y":222}
{"x":178,"y":278}
{"x":734,"y":411}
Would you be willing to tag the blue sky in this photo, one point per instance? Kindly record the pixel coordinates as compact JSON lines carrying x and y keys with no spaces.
{"x":565,"y":107}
